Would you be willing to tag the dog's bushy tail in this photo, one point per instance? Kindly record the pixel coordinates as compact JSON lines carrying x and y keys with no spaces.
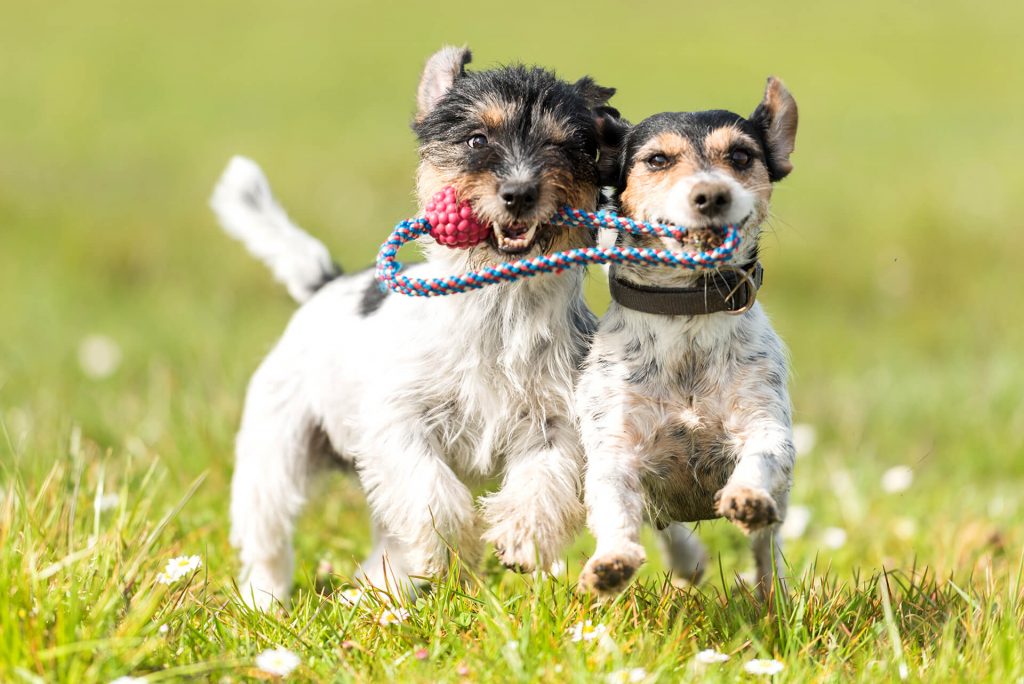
{"x":249,"y":213}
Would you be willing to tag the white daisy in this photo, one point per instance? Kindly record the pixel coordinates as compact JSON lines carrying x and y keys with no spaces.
{"x":795,"y":524}
{"x":765,"y":667}
{"x":710,"y":656}
{"x":897,"y":479}
{"x":352,"y":596}
{"x":625,"y":676}
{"x":393,"y":616}
{"x":277,"y":661}
{"x":128,"y":679}
{"x":904,"y":528}
{"x":833,"y":537}
{"x":804,"y":437}
{"x":587,"y":631}
{"x":99,"y":356}
{"x":177,"y":568}
{"x":108,"y":502}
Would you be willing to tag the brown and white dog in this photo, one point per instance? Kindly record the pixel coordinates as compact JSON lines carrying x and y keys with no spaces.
{"x":685,"y":413}
{"x":428,"y":397}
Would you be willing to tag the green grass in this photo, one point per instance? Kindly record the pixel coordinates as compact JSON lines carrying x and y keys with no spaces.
{"x":892,"y":272}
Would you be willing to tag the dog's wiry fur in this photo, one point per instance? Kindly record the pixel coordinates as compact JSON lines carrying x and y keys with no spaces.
{"x":428,"y":397}
{"x":686,"y":418}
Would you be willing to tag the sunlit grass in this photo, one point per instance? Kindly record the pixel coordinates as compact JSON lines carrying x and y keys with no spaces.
{"x":85,"y":604}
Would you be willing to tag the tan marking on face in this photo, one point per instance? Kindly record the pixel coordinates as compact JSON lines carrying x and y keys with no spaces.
{"x":493,"y":115}
{"x":552,"y":128}
{"x":717,"y":146}
{"x":429,"y":181}
{"x":646,"y":188}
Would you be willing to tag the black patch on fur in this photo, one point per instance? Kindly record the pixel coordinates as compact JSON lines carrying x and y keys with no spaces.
{"x":643,"y":373}
{"x":373,"y":297}
{"x":251,"y":197}
{"x":632,"y":350}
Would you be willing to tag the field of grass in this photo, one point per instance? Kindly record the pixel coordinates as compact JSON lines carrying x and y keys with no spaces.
{"x":129,"y":325}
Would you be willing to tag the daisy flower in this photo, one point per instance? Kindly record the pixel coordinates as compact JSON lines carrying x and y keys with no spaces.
{"x":277,"y":661}
{"x":99,"y":356}
{"x":765,"y":667}
{"x":625,"y":676}
{"x":352,"y":596}
{"x":128,"y":679}
{"x":393,"y":616}
{"x":804,"y":437}
{"x":795,"y":524}
{"x":710,"y":656}
{"x":587,"y":631}
{"x":107,"y":502}
{"x":833,"y":537}
{"x":177,"y":568}
{"x":897,"y":479}
{"x":904,"y":528}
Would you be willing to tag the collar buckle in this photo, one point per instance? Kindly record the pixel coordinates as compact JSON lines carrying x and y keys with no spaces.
{"x":747,"y":282}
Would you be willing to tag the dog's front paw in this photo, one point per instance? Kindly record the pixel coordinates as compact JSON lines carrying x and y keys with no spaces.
{"x":516,"y":552}
{"x":750,"y":508}
{"x":607,"y":573}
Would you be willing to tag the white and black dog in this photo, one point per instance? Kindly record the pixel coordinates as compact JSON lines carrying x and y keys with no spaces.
{"x":684,"y":409}
{"x":429,"y":397}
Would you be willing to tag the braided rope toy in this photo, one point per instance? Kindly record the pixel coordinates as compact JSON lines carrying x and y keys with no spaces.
{"x":442,"y":226}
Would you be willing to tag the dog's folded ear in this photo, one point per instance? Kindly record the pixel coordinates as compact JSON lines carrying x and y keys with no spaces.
{"x":611,"y":128}
{"x":777,"y":117}
{"x":611,"y":136}
{"x":443,"y":67}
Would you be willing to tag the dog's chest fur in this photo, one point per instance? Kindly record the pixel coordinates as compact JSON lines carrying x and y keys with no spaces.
{"x":506,"y":380}
{"x":483,"y":375}
{"x":662,"y":392}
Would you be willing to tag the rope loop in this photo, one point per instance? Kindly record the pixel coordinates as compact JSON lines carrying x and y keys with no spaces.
{"x":388,"y":266}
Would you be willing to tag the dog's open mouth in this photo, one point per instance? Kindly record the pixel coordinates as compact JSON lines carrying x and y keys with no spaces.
{"x":515,"y":238}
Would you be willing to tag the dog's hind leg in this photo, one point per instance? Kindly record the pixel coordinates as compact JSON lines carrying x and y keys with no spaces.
{"x":385,"y":568}
{"x":684,"y":553}
{"x":274,"y":458}
{"x":771,"y":566}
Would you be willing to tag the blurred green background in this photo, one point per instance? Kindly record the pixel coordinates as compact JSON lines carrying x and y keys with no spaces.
{"x":893,"y":263}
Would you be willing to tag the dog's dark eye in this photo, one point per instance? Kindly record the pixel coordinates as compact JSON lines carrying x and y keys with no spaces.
{"x":477,"y":141}
{"x":658,"y":161}
{"x":740,"y":158}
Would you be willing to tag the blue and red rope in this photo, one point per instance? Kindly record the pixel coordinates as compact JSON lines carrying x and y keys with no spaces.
{"x":387,"y":271}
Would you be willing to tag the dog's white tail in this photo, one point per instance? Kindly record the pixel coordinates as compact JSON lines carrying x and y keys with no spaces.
{"x":249,"y":213}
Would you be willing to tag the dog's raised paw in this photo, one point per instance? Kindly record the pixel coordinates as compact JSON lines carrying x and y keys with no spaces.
{"x":518,"y":556}
{"x":749,"y":508}
{"x":608,"y":573}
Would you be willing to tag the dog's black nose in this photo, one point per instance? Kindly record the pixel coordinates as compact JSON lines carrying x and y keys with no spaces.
{"x":710,"y":198}
{"x":519,"y":196}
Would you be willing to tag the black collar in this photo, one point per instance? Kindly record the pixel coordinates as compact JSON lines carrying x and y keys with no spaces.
{"x":731,"y":289}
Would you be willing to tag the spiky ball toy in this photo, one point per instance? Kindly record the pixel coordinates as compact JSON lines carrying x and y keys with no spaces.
{"x":453,"y":223}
